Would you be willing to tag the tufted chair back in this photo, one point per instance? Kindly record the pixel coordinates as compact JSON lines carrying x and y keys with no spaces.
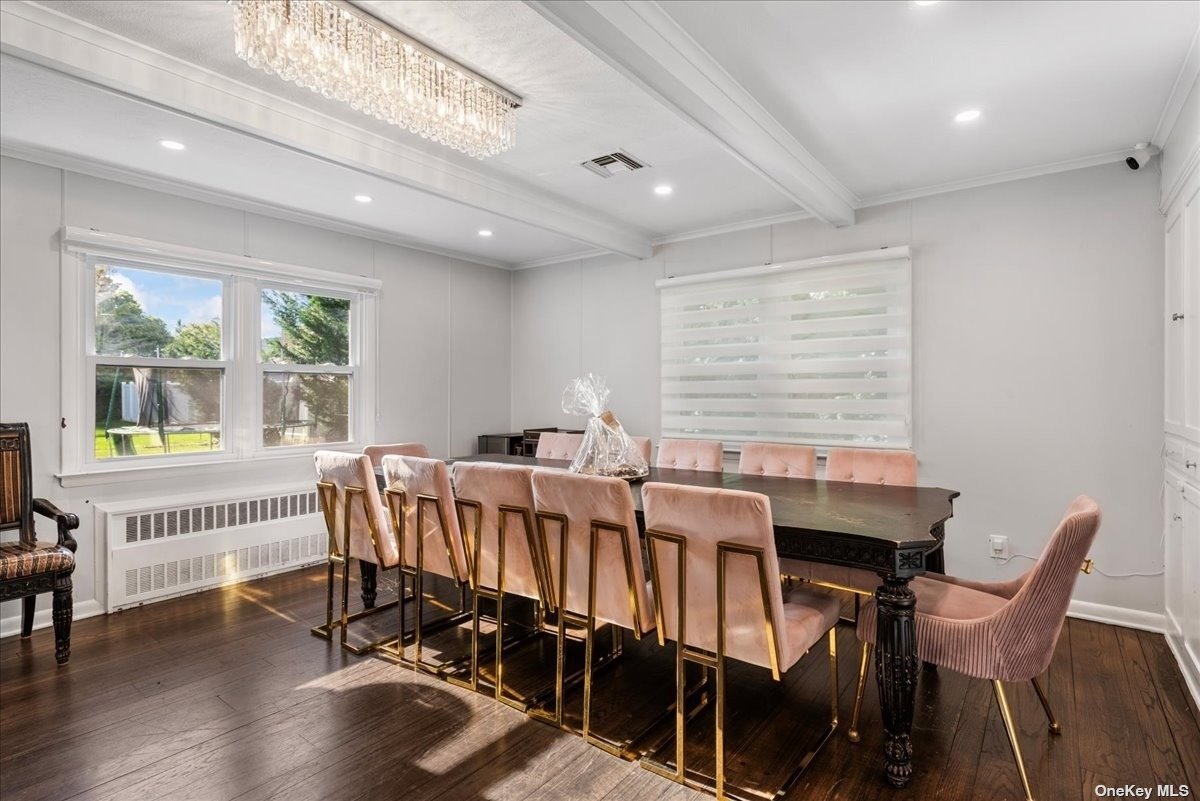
{"x":778,"y":459}
{"x":556,"y":445}
{"x":691,"y":454}
{"x":643,"y":444}
{"x":866,"y":466}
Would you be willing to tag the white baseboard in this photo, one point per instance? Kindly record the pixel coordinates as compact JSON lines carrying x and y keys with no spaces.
{"x":1188,"y":659}
{"x":42,"y":617}
{"x":1118,"y":616}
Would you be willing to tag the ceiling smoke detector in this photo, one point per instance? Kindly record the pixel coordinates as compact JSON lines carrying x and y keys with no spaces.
{"x":610,"y":164}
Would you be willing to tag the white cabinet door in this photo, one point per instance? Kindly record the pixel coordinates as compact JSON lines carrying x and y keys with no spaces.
{"x":1181,"y":402}
{"x":1189,"y":572}
{"x":1173,"y":552}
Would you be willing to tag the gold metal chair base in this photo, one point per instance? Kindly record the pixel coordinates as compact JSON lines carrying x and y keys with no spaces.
{"x":1001,"y":701}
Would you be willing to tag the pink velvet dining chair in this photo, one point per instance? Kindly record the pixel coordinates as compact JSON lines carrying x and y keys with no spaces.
{"x":376,"y":452}
{"x":495,"y":508}
{"x":718,"y":597}
{"x":643,"y":445}
{"x":589,"y":535}
{"x":557,"y":445}
{"x":358,"y":528}
{"x":420,"y":502}
{"x":864,"y":466}
{"x":779,"y":459}
{"x":998,"y":631}
{"x":691,"y":454}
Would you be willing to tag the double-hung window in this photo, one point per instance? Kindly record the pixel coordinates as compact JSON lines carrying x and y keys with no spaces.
{"x":177,"y":355}
{"x":815,"y":352}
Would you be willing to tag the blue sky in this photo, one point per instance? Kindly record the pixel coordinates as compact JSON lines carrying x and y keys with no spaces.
{"x":179,"y":298}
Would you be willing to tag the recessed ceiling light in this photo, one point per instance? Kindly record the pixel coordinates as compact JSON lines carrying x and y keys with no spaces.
{"x":924,"y":2}
{"x":970,"y":115}
{"x":171,"y":144}
{"x":484,"y":232}
{"x":663,"y":189}
{"x":363,"y":198}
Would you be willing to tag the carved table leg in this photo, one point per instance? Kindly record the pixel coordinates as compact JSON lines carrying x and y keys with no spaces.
{"x":62,"y":614}
{"x":896,"y":674}
{"x":368,"y":573}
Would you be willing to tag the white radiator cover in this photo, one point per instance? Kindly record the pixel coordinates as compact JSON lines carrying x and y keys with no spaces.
{"x":162,"y":547}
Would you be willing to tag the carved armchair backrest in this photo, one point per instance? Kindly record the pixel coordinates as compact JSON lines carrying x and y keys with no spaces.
{"x":16,"y":485}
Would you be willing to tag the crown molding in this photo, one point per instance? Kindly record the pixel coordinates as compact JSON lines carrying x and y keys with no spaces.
{"x":1189,"y":71}
{"x":110,"y":172}
{"x":744,"y":225}
{"x":998,"y":178}
{"x":643,"y":42}
{"x":67,"y":45}
{"x":546,"y":262}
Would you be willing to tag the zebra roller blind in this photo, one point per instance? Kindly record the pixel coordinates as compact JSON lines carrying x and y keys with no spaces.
{"x":816,"y":352}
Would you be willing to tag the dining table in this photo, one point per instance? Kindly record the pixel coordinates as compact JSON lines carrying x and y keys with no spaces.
{"x":893,"y":531}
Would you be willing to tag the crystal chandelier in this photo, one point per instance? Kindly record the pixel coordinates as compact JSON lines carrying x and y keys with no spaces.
{"x":340,"y":51}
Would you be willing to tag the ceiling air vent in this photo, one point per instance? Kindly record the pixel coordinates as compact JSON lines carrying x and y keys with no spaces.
{"x":609,"y":165}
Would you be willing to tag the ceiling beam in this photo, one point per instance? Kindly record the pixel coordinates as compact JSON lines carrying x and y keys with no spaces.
{"x":641,"y":40}
{"x":70,"y":46}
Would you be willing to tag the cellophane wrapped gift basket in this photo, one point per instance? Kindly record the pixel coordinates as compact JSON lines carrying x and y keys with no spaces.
{"x":606,"y":450}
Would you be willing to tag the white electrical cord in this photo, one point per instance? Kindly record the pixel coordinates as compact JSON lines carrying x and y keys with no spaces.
{"x":1095,"y":569}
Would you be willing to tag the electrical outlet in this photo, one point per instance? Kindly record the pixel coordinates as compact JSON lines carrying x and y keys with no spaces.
{"x":998,"y":546}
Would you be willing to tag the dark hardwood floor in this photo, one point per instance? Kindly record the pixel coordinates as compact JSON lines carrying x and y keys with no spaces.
{"x":226,"y":695}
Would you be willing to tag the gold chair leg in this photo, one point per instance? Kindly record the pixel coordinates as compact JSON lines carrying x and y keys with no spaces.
{"x":833,"y":678}
{"x":1011,"y":728}
{"x":853,"y":735}
{"x":720,"y":723}
{"x":1055,"y":727}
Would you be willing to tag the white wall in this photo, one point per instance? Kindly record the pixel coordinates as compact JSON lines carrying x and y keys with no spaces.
{"x":1037,"y":353}
{"x":434,"y":312}
{"x":1180,"y":148}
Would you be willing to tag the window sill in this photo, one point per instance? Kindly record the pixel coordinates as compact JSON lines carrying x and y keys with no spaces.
{"x":90,"y":477}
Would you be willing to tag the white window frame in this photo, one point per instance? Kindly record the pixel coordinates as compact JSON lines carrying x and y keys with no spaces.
{"x":702,"y":282}
{"x":243,"y":280}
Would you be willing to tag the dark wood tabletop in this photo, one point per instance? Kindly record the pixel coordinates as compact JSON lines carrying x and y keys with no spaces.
{"x":887,"y":528}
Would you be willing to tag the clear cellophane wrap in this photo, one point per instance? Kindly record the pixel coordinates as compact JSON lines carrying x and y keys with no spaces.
{"x":606,"y":450}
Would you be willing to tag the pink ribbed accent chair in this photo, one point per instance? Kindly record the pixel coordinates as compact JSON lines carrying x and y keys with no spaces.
{"x":573,"y":510}
{"x":358,"y":528}
{"x":778,"y":459}
{"x":556,"y":445}
{"x":1003,"y":631}
{"x":496,"y":514}
{"x":731,"y":603}
{"x":866,"y":466}
{"x":420,"y":500}
{"x":643,"y":444}
{"x":376,"y":452}
{"x":691,"y":454}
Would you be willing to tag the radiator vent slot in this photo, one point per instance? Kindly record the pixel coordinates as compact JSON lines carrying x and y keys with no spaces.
{"x":179,"y":574}
{"x":212,"y":517}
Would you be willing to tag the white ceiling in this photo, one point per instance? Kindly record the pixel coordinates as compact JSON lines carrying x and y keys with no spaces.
{"x":868,"y":89}
{"x":871,"y":88}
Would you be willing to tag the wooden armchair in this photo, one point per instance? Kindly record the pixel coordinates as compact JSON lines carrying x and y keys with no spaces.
{"x":28,"y":567}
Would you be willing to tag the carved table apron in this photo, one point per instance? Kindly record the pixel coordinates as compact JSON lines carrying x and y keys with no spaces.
{"x":894,"y":531}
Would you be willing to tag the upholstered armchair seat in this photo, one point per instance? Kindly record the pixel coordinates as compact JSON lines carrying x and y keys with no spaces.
{"x":19,"y":559}
{"x":29,"y":567}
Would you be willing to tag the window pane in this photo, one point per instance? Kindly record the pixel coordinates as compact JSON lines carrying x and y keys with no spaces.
{"x":152,"y":411}
{"x":305,"y":329}
{"x":305,"y":408}
{"x":151,"y":313}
